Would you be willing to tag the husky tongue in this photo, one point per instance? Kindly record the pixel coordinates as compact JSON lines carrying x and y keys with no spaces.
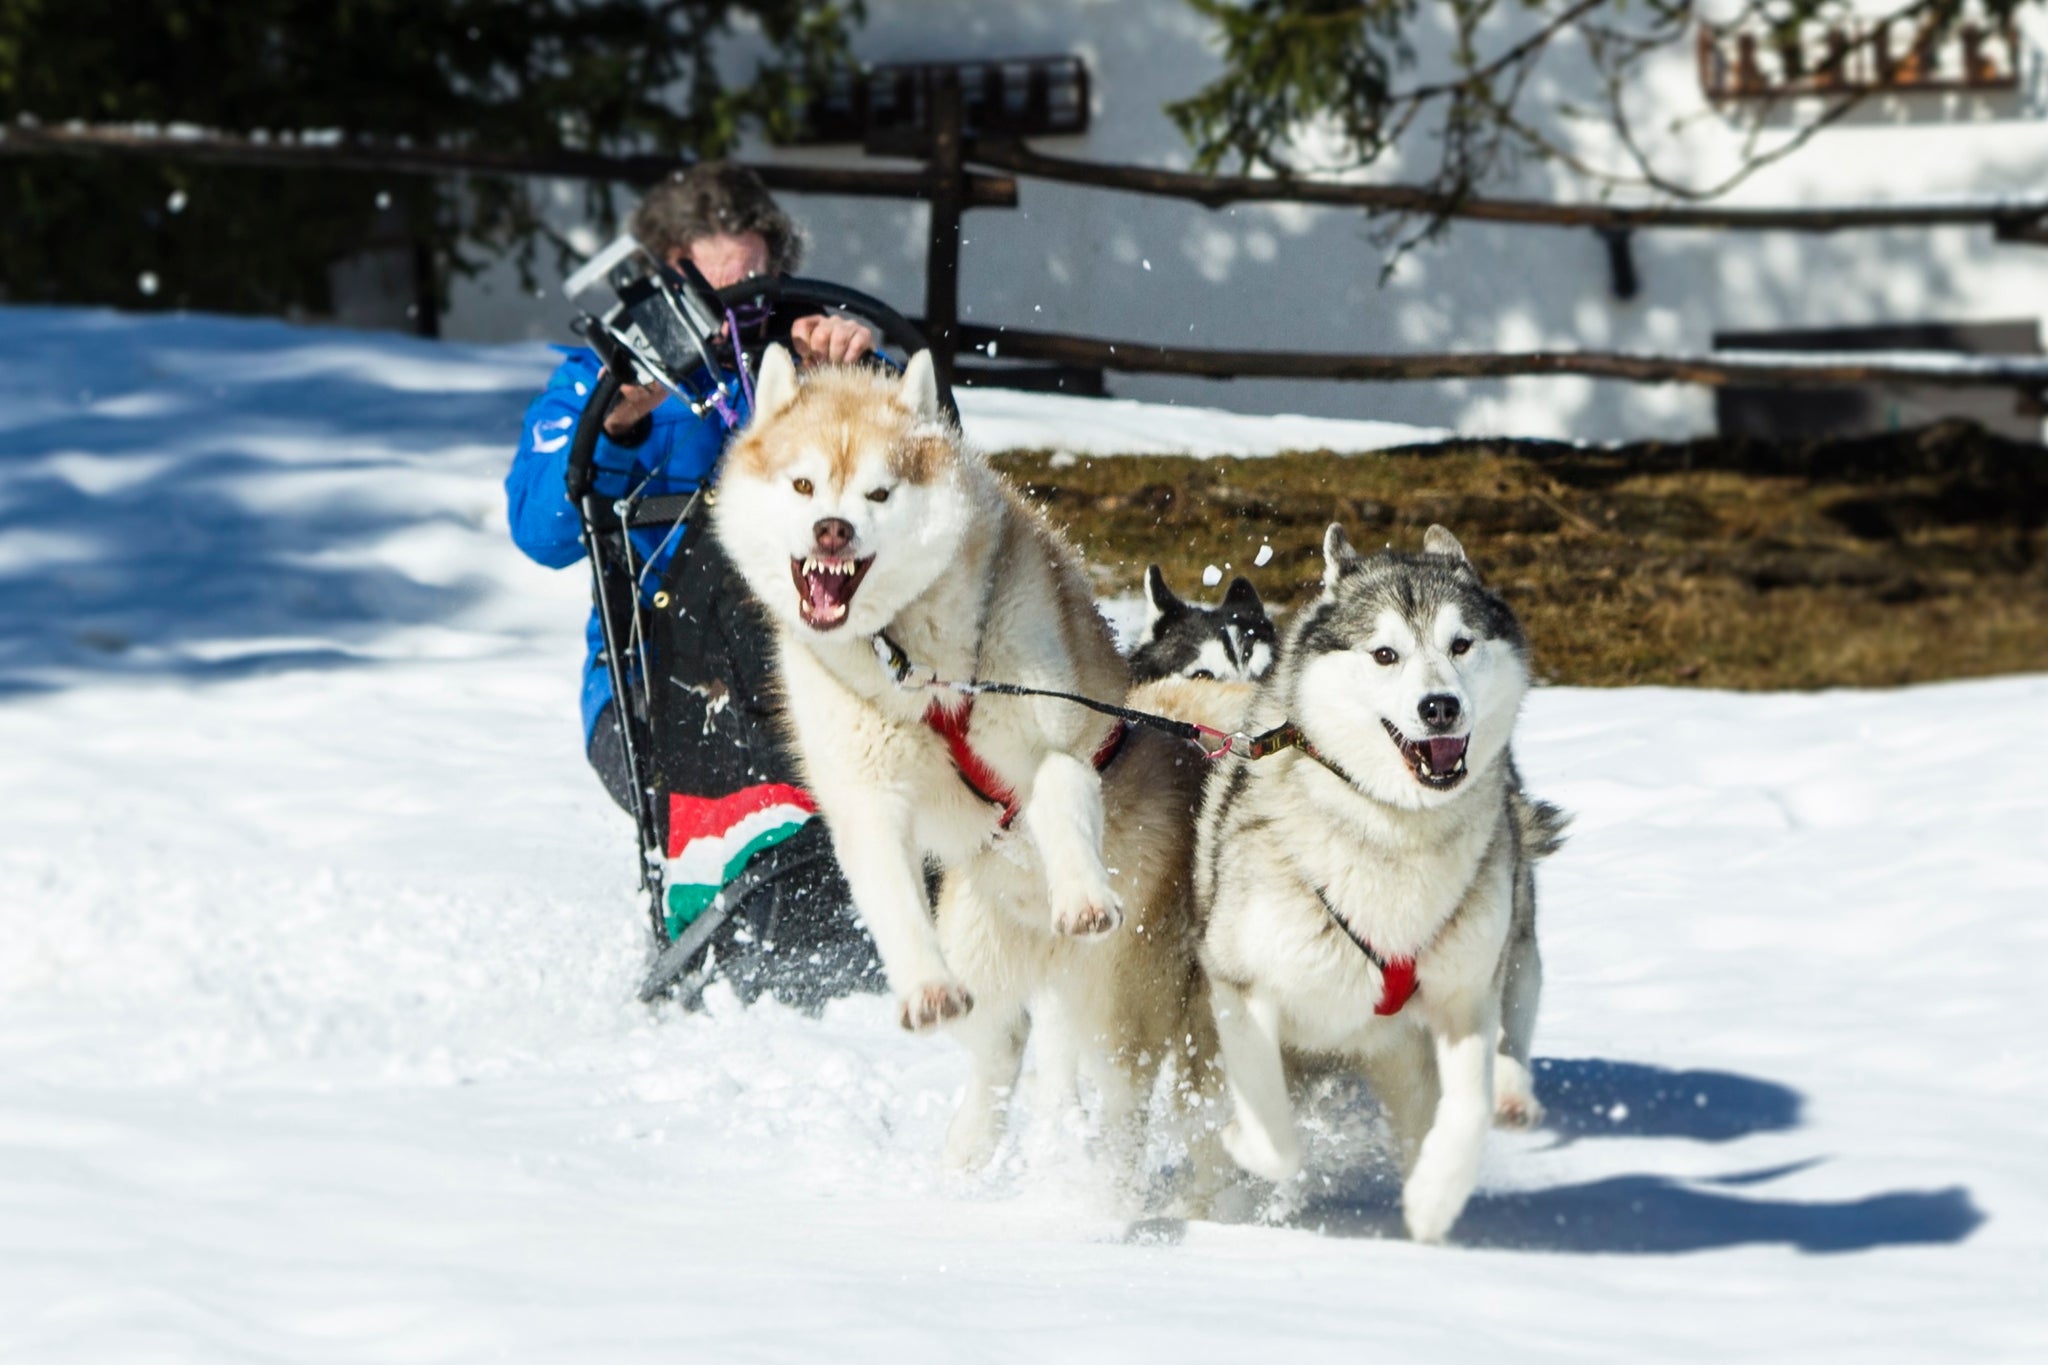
{"x":1438,"y":762}
{"x":826,"y":594}
{"x":1443,"y":753}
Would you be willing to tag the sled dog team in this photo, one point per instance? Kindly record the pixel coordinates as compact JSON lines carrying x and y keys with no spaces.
{"x":1363,"y":896}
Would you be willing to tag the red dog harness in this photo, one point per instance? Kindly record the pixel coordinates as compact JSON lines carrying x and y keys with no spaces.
{"x":1397,"y":974}
{"x":981,"y":779}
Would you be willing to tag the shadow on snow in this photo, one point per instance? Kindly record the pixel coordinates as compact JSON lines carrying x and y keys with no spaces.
{"x":1589,"y":1097}
{"x":1592,"y":1098}
{"x":163,"y":538}
{"x":1658,"y":1215}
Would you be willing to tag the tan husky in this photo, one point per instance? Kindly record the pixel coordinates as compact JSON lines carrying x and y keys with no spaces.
{"x":892,"y":559}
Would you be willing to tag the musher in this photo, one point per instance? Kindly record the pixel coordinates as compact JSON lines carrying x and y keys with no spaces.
{"x":797,"y":936}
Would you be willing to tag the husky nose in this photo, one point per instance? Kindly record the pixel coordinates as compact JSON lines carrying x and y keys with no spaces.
{"x":1439,"y":711}
{"x":833,"y":535}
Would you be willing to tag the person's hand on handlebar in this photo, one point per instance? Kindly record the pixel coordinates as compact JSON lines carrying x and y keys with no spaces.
{"x":830,"y":339}
{"x":821,"y":339}
{"x":634,"y":402}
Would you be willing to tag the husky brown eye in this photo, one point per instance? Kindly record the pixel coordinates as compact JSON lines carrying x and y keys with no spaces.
{"x":1459,"y":646}
{"x":878,"y":495}
{"x":802,"y":486}
{"x":1385,"y":657}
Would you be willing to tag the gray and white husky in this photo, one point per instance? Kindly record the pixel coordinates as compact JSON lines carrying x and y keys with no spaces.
{"x":1367,"y":896}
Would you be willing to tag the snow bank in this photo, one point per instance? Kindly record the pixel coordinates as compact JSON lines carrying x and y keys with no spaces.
{"x":1001,"y":419}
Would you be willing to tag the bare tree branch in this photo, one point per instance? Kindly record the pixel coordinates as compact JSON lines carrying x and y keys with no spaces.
{"x":1289,"y":59}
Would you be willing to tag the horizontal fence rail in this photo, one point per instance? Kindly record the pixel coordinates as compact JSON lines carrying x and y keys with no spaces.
{"x":978,"y":190}
{"x":1718,"y":369}
{"x":2008,"y":213}
{"x":2013,"y":214}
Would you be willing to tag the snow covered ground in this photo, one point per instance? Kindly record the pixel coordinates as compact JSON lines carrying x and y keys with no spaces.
{"x":1000,"y":419}
{"x":317,"y":1040}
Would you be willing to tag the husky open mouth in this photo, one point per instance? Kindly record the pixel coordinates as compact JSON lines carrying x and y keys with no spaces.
{"x":824,"y":588}
{"x":1438,"y":763}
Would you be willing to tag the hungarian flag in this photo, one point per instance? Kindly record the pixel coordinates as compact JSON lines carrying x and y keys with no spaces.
{"x":712,"y":839}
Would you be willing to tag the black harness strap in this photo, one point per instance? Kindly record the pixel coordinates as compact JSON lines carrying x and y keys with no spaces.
{"x":903,"y":672}
{"x":1397,"y":975}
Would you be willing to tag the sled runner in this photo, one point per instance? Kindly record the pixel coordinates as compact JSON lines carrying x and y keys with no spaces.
{"x":737,"y":867}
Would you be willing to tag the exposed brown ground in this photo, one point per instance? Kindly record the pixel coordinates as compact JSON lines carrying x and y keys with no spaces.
{"x":1866,"y":562}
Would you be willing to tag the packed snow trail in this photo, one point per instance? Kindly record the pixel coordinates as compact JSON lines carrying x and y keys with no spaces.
{"x":317,"y":1039}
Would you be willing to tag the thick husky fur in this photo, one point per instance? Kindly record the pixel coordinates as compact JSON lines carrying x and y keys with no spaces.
{"x":1400,"y":828}
{"x":857,"y":517}
{"x":1231,"y":641}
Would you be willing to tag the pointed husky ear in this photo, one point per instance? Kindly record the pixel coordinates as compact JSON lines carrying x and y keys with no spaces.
{"x":1338,"y":556}
{"x":1160,"y":601}
{"x":775,"y":386}
{"x":918,"y":394}
{"x":1243,"y":597}
{"x":1437,"y":541}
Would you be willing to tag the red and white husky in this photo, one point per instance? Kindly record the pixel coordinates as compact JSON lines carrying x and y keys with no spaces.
{"x":859,"y":518}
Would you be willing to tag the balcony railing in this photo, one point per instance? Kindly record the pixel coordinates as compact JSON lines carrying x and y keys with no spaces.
{"x":1848,"y":59}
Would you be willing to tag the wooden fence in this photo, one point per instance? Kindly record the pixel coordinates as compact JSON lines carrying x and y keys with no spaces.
{"x":960,"y":174}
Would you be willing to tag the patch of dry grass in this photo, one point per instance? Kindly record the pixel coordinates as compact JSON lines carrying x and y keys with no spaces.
{"x":1869,"y":562}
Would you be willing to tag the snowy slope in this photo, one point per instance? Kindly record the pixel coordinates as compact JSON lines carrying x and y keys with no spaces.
{"x":316,"y":1033}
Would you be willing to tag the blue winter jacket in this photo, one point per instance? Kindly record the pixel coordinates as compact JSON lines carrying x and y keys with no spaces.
{"x":680,"y":450}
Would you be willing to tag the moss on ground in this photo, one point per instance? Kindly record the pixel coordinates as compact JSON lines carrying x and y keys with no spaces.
{"x":1872,"y":561}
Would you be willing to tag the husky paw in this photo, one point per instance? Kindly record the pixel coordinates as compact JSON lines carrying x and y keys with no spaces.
{"x":1277,"y":1160}
{"x":1088,"y":916}
{"x":938,"y":1003}
{"x":1514,"y":1095}
{"x":972,"y":1136}
{"x":1428,"y":1209}
{"x":1517,"y":1111}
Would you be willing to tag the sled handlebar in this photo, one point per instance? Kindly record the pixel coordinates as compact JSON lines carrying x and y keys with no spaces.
{"x":898,"y":333}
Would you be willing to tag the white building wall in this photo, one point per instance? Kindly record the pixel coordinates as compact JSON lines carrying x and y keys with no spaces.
{"x":1122,"y":266}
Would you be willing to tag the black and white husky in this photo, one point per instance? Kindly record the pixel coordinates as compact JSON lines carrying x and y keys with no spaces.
{"x":1367,"y":896}
{"x":1233,"y":641}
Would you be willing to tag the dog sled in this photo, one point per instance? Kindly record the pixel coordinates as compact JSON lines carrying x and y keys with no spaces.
{"x":737,"y":868}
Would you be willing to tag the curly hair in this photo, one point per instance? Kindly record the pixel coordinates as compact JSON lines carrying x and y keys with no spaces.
{"x":713,"y":198}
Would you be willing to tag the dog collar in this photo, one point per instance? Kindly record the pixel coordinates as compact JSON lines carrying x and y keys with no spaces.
{"x":1289,"y":736}
{"x":1397,"y":974}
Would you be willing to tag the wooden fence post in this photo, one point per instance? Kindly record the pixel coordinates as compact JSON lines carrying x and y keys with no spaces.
{"x":946,"y":152}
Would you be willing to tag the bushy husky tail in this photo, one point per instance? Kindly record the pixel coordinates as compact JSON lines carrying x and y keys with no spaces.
{"x":1540,"y":824}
